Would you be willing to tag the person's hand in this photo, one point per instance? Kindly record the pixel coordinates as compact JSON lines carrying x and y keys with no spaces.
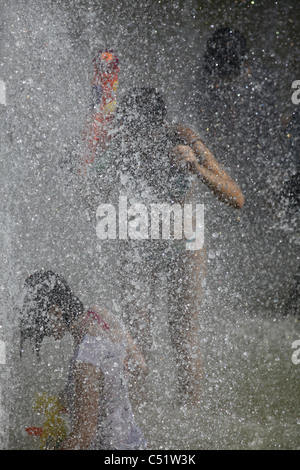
{"x":186,"y":134}
{"x":184,"y":157}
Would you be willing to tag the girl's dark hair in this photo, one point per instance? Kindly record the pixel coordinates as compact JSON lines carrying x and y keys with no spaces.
{"x":44,"y":289}
{"x":225,"y":52}
{"x":141,"y":107}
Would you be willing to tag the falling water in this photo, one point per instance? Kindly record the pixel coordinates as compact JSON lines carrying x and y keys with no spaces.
{"x":247,"y":331}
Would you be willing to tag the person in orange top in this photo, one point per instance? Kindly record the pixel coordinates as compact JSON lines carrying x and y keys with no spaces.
{"x":96,"y":135}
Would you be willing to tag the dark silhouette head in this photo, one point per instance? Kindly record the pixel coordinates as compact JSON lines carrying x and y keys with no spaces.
{"x":141,"y":109}
{"x":226,"y":51}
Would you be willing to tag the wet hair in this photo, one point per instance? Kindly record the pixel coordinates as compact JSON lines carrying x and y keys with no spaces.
{"x":141,"y":108}
{"x":226,"y":52}
{"x":44,"y":289}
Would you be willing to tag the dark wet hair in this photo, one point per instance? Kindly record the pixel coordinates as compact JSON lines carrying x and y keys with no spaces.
{"x":225,"y":53}
{"x":141,"y":108}
{"x":44,"y":289}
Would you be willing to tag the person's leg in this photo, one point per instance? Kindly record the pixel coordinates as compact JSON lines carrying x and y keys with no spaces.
{"x":184,"y":308}
{"x":136,"y":306}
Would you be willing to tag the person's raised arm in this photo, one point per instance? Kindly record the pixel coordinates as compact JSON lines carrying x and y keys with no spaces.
{"x":201,"y":161}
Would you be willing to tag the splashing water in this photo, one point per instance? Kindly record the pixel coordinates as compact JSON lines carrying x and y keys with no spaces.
{"x":247,"y":333}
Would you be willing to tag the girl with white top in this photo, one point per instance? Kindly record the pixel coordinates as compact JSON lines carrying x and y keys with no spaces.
{"x":97,"y":391}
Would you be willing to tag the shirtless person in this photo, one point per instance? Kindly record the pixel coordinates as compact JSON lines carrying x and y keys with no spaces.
{"x":161,"y":161}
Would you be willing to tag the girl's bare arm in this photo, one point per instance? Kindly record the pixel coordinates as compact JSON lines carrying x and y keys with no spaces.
{"x":199,"y":159}
{"x":88,"y":382}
